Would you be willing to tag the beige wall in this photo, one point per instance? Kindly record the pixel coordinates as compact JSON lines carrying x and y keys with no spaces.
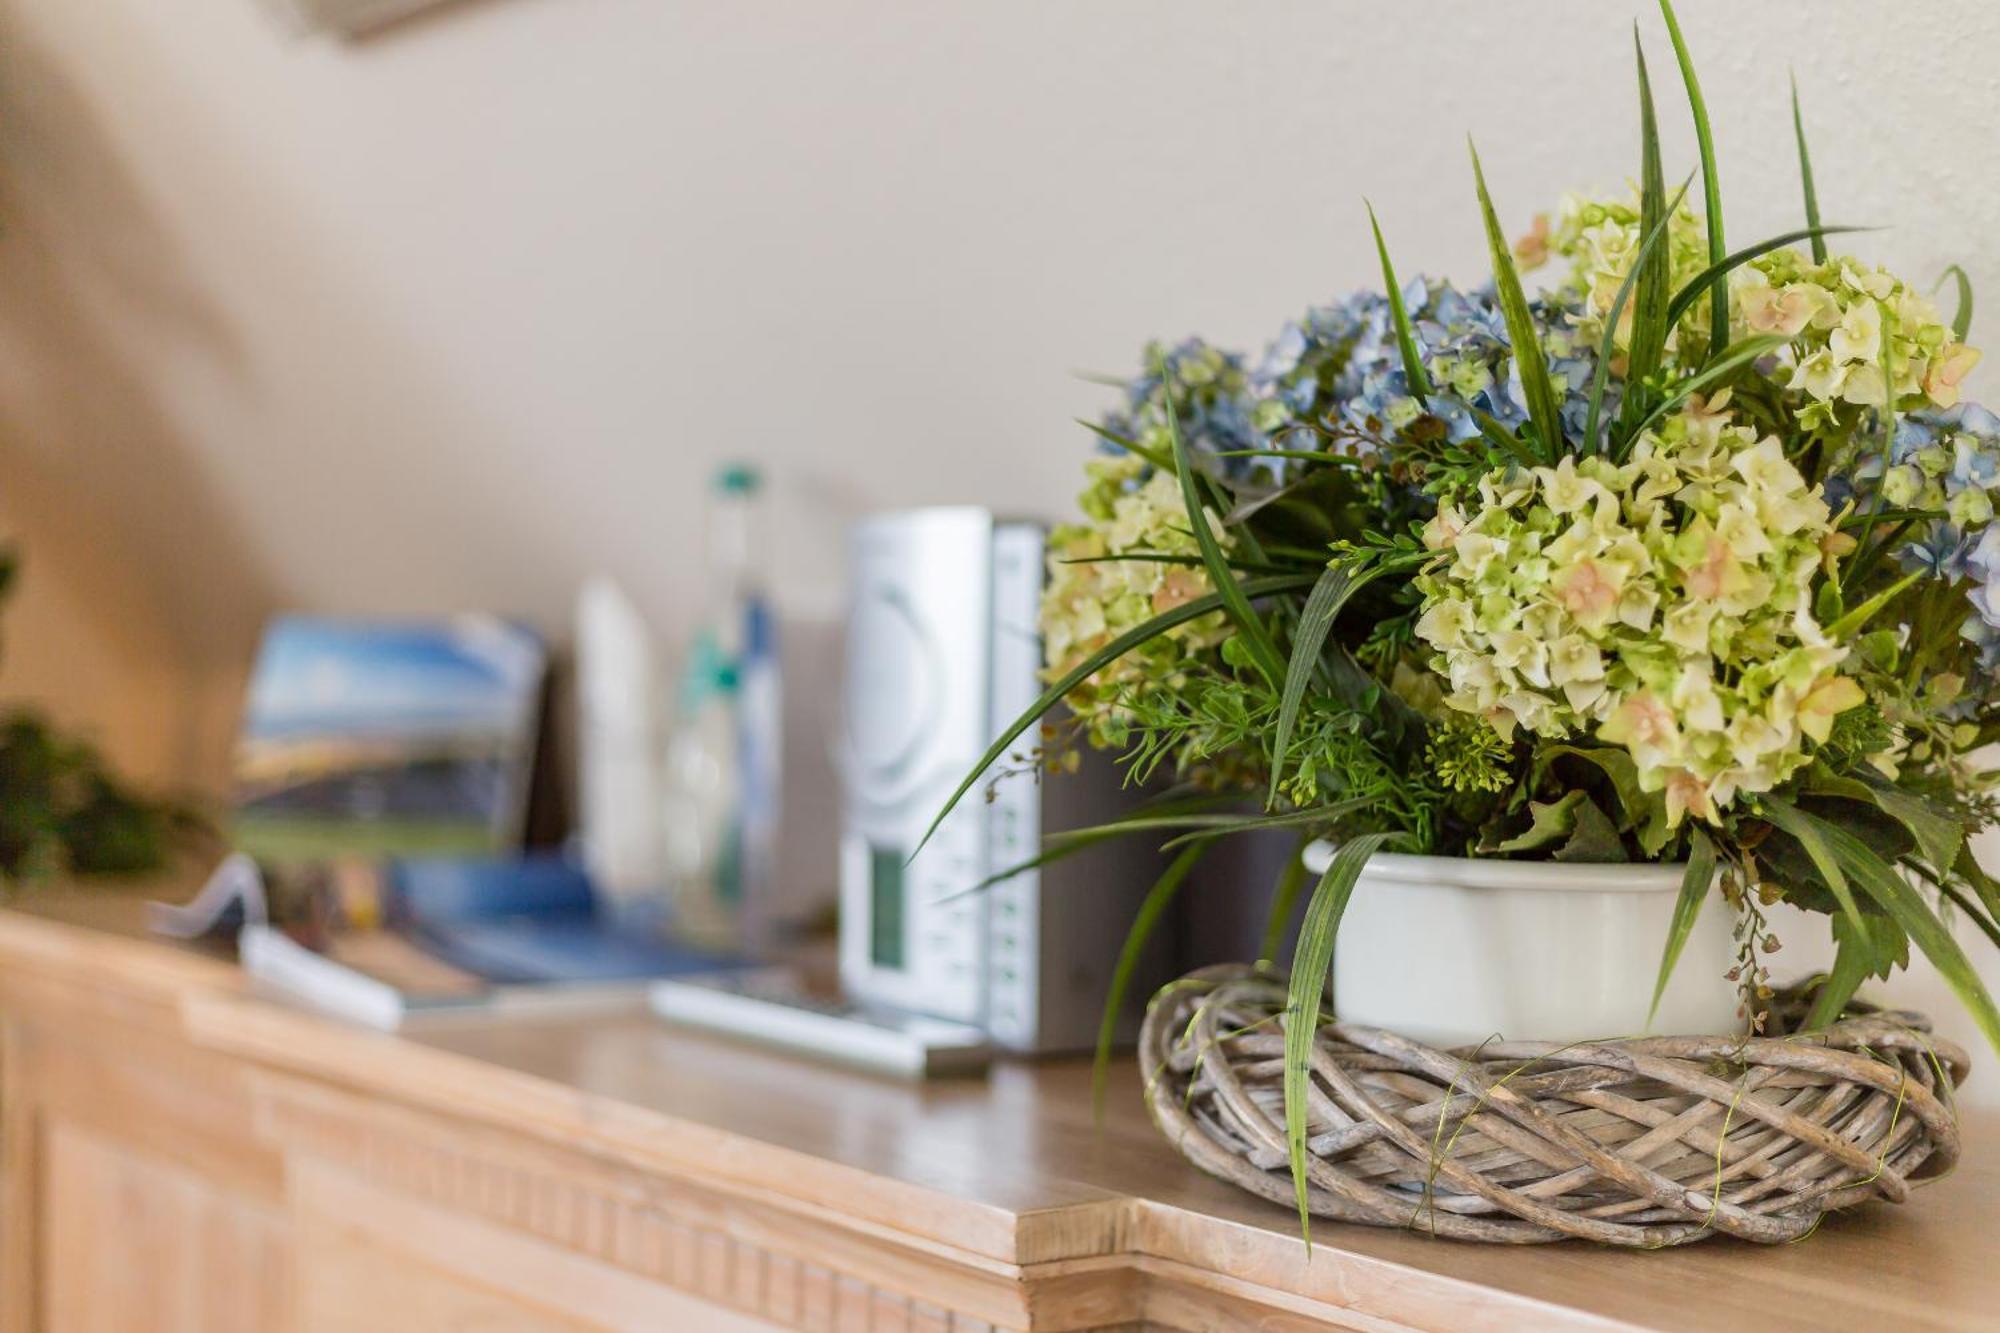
{"x":454,"y":316}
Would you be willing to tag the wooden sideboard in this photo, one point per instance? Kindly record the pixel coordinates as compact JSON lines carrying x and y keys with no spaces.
{"x":182,"y":1154}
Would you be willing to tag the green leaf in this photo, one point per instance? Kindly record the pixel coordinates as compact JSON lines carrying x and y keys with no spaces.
{"x":1284,"y":901}
{"x":1335,"y":586}
{"x":1525,"y":338}
{"x":1711,"y":187}
{"x":1696,"y":881}
{"x":1256,"y":639}
{"x":1399,"y":316}
{"x":1097,"y":661}
{"x":1653,"y":268}
{"x":1692,"y":290}
{"x":1311,"y":962}
{"x":1644,"y":812}
{"x":1548,"y":822}
{"x":1595,"y":839}
{"x":1961,"y":320}
{"x":1155,"y":905}
{"x":1879,"y":880}
{"x":1806,"y":176}
{"x":1809,"y":831}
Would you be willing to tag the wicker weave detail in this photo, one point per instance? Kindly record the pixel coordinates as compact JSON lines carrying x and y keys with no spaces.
{"x":1642,"y":1142}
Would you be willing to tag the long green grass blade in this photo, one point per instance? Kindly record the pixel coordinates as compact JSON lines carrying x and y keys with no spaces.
{"x":1967,"y":868}
{"x":1654,"y":268}
{"x":1937,"y":835}
{"x":1302,"y":455}
{"x":1810,"y":833}
{"x":1162,"y":558}
{"x":1896,"y":896}
{"x":1152,"y":816}
{"x":1399,"y":316}
{"x":1891,"y":516}
{"x":1097,"y":661}
{"x":1886,"y":416}
{"x":1157,"y":900}
{"x":1806,"y":177}
{"x":1128,"y":444}
{"x":1284,"y":902}
{"x":1256,"y":638}
{"x":1711,"y":187}
{"x":1501,"y":438}
{"x":1335,"y":586}
{"x":1850,"y":968}
{"x":1696,"y":881}
{"x":1318,"y":814}
{"x":1961,"y":319}
{"x":1970,"y":909}
{"x":1607,"y":345}
{"x":1526,"y":338}
{"x":1691,"y":292}
{"x":1871,"y":608}
{"x":1311,"y":962}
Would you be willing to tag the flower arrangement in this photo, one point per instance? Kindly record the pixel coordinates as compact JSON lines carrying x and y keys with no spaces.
{"x":1690,"y":558}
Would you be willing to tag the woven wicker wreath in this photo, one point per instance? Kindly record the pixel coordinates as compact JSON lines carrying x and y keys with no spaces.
{"x":1643,"y":1142}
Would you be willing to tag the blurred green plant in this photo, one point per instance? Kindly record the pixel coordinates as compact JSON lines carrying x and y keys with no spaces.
{"x":63,"y":811}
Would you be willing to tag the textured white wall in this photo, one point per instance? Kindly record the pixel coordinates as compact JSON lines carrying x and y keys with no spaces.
{"x":454,"y":316}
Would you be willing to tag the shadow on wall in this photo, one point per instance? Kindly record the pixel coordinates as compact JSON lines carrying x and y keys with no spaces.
{"x":136,"y":588}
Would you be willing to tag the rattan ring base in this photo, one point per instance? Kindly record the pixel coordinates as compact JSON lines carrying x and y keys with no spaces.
{"x":1642,"y":1142}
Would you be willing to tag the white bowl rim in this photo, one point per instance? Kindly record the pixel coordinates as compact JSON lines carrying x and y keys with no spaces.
{"x":1466,"y":872}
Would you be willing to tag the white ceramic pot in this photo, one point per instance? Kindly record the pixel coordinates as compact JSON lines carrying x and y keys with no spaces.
{"x":1453,"y":951}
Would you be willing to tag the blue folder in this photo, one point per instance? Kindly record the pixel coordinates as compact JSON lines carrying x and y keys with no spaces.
{"x":532,"y":919}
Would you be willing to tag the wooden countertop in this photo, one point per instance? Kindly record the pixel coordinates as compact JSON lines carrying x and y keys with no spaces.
{"x":1009,"y":1176}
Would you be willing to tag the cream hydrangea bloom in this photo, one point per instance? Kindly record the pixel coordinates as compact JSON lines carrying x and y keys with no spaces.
{"x":1835,"y":313}
{"x":1858,"y":332}
{"x":1662,"y":605}
{"x":1599,"y":238}
{"x":1089,"y":601}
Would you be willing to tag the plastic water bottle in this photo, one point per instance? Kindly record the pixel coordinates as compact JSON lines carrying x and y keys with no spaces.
{"x":721,"y":770}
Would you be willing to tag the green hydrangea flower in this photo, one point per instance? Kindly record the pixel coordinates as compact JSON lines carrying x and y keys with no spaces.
{"x":1663,"y":605}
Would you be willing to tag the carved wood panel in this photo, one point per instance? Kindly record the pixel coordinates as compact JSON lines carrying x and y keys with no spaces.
{"x":592,"y":1227}
{"x":131,"y":1244}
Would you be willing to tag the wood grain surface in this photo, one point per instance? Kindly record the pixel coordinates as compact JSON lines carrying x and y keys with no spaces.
{"x":168,"y":1130}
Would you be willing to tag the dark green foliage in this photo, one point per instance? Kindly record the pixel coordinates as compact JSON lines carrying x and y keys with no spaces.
{"x":63,"y":812}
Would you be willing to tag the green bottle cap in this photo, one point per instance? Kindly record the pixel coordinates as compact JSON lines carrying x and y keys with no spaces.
{"x":737,"y":479}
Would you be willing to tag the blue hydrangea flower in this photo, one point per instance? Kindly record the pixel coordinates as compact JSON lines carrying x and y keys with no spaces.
{"x":1307,"y":371}
{"x":1210,"y":399}
{"x":1941,"y":553}
{"x":1948,"y":460}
